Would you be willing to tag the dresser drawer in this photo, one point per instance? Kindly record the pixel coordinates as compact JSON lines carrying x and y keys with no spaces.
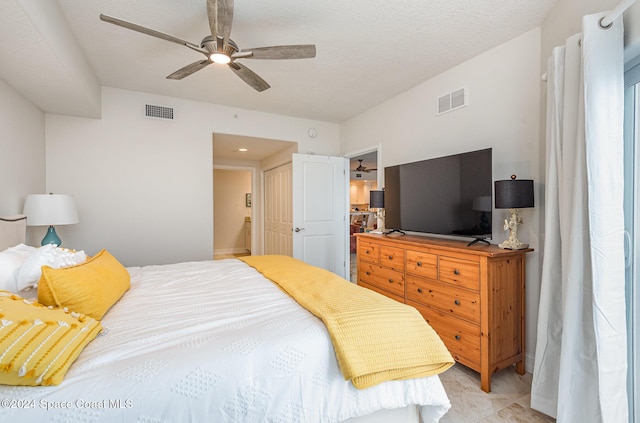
{"x":422,"y":264}
{"x":461,"y":338}
{"x":392,"y":258}
{"x":464,"y":273}
{"x":456,"y":302}
{"x":386,"y":279}
{"x":381,"y":291}
{"x":368,"y":252}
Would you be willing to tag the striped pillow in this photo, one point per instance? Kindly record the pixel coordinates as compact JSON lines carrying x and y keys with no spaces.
{"x":38,"y":344}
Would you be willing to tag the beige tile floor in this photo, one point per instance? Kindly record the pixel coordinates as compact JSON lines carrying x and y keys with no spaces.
{"x":508,"y":401}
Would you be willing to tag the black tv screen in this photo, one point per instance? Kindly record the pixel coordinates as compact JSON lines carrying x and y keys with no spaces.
{"x":449,"y":195}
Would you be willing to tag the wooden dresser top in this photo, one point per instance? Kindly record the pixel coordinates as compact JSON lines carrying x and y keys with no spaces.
{"x":442,"y":243}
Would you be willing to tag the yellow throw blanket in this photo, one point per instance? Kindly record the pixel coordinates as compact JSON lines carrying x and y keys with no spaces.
{"x":375,"y":338}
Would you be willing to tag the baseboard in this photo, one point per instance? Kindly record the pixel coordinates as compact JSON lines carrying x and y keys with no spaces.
{"x":230,"y":251}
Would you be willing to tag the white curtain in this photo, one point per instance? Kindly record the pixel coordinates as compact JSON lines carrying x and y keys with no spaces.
{"x":580,"y":364}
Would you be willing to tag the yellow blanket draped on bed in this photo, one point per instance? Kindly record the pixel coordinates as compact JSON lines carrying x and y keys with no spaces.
{"x":375,"y":338}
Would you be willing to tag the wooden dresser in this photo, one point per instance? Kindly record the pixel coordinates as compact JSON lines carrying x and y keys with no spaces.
{"x":472,"y":296}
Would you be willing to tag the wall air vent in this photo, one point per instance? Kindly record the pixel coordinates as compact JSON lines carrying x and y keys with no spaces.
{"x":452,"y":101}
{"x":158,"y":112}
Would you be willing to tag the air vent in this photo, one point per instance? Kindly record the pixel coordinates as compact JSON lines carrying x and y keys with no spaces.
{"x":452,"y":101}
{"x":158,"y":112}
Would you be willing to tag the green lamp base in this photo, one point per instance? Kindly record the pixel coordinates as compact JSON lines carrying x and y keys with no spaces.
{"x":51,"y":237}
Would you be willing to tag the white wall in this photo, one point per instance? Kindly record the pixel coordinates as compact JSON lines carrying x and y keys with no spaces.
{"x":503,"y":113}
{"x":22,"y":153}
{"x":143,"y":187}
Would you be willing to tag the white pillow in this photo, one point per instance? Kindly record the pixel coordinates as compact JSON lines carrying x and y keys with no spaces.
{"x":10,"y":261}
{"x":47,"y":255}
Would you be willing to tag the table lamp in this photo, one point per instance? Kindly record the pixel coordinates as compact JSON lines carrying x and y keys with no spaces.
{"x":49,"y":210}
{"x":513,"y":194}
{"x":376,"y":201}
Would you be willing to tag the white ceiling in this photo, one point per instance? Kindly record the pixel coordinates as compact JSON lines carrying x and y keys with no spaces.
{"x":227,"y":146}
{"x":57,"y":52}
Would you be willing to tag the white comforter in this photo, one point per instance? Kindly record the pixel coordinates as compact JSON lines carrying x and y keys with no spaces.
{"x":210,"y":342}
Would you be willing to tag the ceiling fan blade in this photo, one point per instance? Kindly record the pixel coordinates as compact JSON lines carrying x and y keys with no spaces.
{"x":152,"y":32}
{"x":249,"y":76}
{"x":303,"y":51}
{"x":189,"y":69}
{"x":220,"y":13}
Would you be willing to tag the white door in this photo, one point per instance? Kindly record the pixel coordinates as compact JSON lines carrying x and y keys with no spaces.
{"x":277,"y":211}
{"x":320,"y":224}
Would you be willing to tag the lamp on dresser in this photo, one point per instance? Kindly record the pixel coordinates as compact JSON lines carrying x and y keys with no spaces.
{"x":513,"y":194}
{"x":49,"y":210}
{"x":376,"y":201}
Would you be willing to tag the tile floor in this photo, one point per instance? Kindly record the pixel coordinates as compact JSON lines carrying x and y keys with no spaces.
{"x":508,"y":401}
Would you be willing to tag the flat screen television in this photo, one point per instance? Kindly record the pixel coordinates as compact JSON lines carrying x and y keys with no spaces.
{"x":449,"y":195}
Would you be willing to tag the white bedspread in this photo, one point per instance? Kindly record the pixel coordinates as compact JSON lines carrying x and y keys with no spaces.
{"x":211,"y":342}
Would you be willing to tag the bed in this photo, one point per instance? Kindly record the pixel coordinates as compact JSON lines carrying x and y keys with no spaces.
{"x":211,"y":341}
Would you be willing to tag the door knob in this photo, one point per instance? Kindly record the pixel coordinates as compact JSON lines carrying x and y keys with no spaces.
{"x":298,"y":229}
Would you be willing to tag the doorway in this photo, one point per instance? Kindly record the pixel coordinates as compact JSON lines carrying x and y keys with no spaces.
{"x":244,"y":153}
{"x":365,"y":174}
{"x":232,"y":200}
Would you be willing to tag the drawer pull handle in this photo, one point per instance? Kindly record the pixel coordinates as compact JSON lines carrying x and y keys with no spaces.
{"x":419,"y":264}
{"x":458,"y":337}
{"x":368,"y":273}
{"x":390,"y":257}
{"x":390,"y":280}
{"x":366,"y":252}
{"x":456,"y":272}
{"x":457,"y":302}
{"x":420,"y":290}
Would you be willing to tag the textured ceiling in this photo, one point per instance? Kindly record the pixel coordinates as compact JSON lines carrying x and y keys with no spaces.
{"x":367,"y":50}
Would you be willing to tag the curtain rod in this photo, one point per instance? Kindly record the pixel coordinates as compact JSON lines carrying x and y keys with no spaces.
{"x":607,"y":20}
{"x":617,"y":11}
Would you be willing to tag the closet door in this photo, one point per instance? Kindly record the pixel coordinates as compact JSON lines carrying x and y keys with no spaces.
{"x":278,"y":221}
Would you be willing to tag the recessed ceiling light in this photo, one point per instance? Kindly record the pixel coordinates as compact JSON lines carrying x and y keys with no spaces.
{"x":242,"y":149}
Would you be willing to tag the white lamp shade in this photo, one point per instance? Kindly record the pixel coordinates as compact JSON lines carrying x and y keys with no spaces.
{"x":50,"y":209}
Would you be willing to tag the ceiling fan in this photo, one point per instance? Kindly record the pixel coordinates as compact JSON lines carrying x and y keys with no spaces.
{"x":218,"y":47}
{"x":361,"y":168}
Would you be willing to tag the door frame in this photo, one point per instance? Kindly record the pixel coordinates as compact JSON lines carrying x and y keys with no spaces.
{"x":256,"y":223}
{"x":371,"y":149}
{"x":380,"y":180}
{"x":632,"y":231}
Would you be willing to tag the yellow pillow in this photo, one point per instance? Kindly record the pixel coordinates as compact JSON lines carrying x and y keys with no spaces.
{"x":90,"y":288}
{"x":39,"y":344}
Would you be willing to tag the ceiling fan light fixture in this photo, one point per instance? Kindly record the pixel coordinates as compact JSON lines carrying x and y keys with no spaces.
{"x":219,"y":48}
{"x":220,"y":58}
